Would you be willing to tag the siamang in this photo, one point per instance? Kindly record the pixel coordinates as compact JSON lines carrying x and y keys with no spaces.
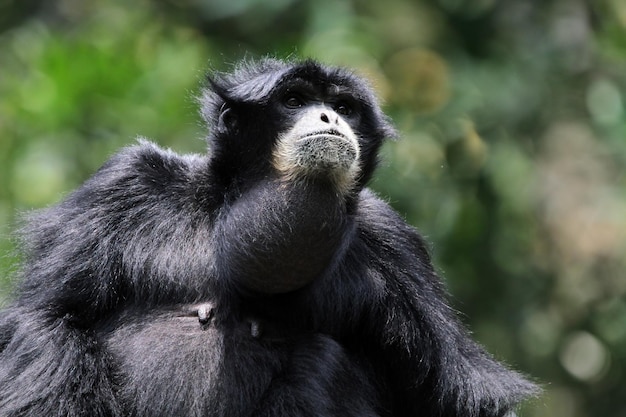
{"x":263,"y":279}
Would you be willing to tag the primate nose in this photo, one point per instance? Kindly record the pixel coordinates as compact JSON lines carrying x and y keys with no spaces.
{"x":325,"y":118}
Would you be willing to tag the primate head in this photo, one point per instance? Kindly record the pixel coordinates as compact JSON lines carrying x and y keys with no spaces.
{"x":294,"y":121}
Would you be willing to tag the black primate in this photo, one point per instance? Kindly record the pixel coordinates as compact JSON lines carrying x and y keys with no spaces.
{"x":261,"y":280}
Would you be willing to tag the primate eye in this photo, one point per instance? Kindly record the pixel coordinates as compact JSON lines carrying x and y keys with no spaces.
{"x":293,"y":101}
{"x":343,"y":109}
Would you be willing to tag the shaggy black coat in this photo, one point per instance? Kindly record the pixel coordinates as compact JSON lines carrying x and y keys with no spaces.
{"x":106,"y":320}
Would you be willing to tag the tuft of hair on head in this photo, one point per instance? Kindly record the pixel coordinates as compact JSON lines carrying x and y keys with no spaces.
{"x":249,"y":82}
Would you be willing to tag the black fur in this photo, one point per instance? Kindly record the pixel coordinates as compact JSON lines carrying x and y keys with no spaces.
{"x":106,"y":321}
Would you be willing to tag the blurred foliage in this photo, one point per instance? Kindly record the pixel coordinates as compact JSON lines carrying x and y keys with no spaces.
{"x":512,"y":160}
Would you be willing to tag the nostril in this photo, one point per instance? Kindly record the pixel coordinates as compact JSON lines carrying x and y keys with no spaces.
{"x":325,"y":118}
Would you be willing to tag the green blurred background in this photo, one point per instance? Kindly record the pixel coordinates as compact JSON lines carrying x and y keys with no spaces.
{"x":511,"y":159}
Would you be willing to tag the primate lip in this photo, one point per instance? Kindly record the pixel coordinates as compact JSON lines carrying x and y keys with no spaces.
{"x":322,"y":133}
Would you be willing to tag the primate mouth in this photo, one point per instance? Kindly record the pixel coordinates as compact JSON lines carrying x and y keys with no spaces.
{"x":321,"y":133}
{"x":325,"y":136}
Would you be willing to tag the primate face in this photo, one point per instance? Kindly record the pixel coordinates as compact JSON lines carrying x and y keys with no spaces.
{"x":300,"y":122}
{"x":319,"y":141}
